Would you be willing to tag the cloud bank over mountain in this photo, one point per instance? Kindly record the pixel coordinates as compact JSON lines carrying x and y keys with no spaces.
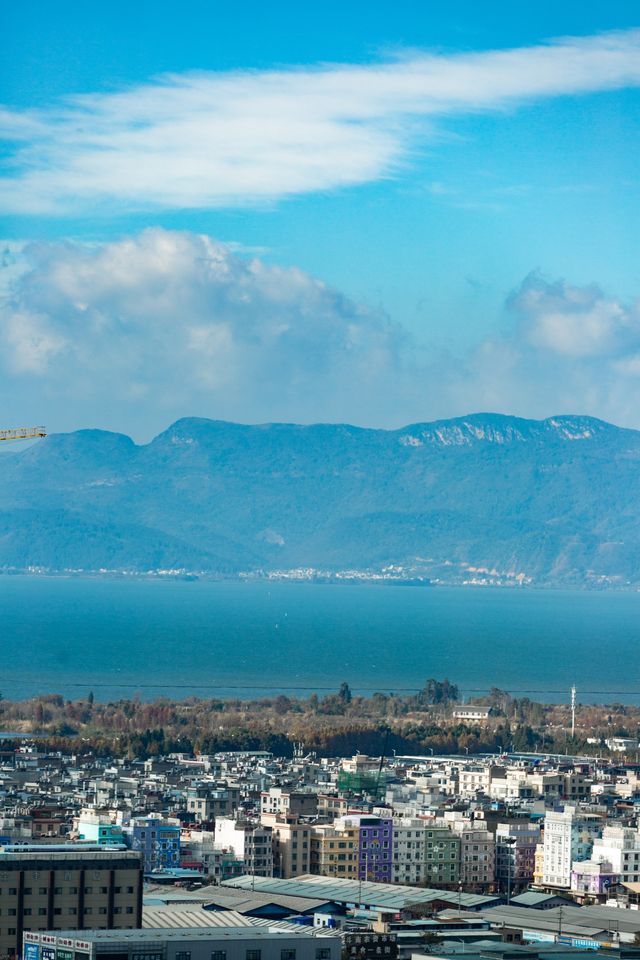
{"x":135,"y":332}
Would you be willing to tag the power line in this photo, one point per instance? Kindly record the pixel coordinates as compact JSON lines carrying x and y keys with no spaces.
{"x":303,"y":687}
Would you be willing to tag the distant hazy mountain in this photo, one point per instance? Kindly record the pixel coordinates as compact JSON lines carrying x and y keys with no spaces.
{"x":484,"y":497}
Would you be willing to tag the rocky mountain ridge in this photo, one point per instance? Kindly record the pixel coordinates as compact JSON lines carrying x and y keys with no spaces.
{"x":481,"y":498}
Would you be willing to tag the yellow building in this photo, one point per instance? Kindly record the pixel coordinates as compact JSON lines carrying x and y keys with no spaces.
{"x":334,"y":853}
{"x":538,"y":865}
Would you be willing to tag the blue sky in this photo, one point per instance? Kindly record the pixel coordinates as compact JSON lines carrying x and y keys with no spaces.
{"x":413,"y":209}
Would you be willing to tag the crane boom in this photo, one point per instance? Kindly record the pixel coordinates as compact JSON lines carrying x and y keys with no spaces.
{"x":23,"y":433}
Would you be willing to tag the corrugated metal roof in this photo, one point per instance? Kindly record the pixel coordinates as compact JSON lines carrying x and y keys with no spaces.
{"x":180,"y":918}
{"x":548,"y":921}
{"x":232,"y":898}
{"x":390,"y":896}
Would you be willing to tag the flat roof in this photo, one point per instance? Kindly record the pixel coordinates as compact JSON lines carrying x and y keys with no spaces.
{"x":389,"y":896}
{"x":160,"y":934}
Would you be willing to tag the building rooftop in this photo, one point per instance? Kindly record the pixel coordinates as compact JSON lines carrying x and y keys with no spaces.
{"x":232,"y":898}
{"x":389,"y":896}
{"x":531,"y":898}
{"x":160,"y":934}
{"x":181,"y":918}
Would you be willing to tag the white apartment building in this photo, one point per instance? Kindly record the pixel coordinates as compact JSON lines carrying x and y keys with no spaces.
{"x":619,"y":847}
{"x":250,"y":842}
{"x":568,"y":836}
{"x":476,"y":778}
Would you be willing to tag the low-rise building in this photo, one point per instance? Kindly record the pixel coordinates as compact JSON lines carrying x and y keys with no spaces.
{"x":223,"y":943}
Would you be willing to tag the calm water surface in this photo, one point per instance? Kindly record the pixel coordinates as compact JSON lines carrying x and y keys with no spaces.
{"x":230,"y":638}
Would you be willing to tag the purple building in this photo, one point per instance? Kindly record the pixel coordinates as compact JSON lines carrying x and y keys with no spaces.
{"x":375,"y":846}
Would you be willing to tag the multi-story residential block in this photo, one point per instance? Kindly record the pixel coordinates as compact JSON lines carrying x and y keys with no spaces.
{"x":199,"y":851}
{"x":477,"y":854}
{"x":291,"y":840}
{"x":475,"y":778}
{"x":332,"y":806}
{"x":250,"y":841}
{"x":409,"y":850}
{"x":620,"y":847}
{"x":538,"y":865}
{"x":615,"y":857}
{"x":335,"y":852}
{"x":157,"y":840}
{"x":591,"y":880}
{"x":206,"y":801}
{"x":375,"y":845}
{"x":515,"y":855}
{"x":442,"y":857}
{"x":66,"y":887}
{"x":299,"y":803}
{"x":97,"y":826}
{"x":568,"y":837}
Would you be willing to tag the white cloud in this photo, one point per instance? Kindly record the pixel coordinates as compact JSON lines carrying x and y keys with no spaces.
{"x":567,"y":349}
{"x":203,"y":140}
{"x":575,"y":321}
{"x":178,"y":323}
{"x":138,"y":332}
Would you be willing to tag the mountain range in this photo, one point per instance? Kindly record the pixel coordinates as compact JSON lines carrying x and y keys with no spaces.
{"x":485,"y":498}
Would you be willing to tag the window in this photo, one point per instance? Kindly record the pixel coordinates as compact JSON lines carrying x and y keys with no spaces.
{"x":42,"y":911}
{"x":27,"y":912}
{"x":219,"y":955}
{"x":253,"y":955}
{"x":183,"y":955}
{"x":88,"y":910}
{"x":287,"y":955}
{"x":27,"y":891}
{"x":42,"y":891}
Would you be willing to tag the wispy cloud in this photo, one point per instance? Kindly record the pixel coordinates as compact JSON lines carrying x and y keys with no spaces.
{"x":203,"y":140}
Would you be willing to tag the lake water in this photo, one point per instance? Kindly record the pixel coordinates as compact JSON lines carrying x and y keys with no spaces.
{"x":178,"y":639}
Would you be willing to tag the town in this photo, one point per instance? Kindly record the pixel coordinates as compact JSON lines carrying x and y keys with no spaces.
{"x":244,"y":855}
